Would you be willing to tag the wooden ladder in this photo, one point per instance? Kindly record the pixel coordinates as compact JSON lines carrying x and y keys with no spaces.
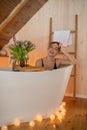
{"x":75,"y":32}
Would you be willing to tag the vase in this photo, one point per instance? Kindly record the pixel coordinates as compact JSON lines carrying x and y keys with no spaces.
{"x":22,"y":63}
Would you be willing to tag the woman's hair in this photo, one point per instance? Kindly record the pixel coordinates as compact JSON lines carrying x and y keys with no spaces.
{"x":58,"y":43}
{"x":55,"y":42}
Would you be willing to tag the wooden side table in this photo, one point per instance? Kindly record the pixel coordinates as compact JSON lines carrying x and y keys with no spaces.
{"x":28,"y":68}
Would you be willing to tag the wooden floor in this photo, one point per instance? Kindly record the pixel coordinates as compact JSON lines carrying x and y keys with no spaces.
{"x":75,"y":118}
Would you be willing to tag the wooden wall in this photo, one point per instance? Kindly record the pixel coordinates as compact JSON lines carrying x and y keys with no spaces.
{"x":63,"y":13}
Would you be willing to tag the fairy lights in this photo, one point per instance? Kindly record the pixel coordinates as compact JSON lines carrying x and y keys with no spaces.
{"x":63,"y":104}
{"x":31,"y":123}
{"x":59,"y":114}
{"x":54,"y":126}
{"x":52,"y":117}
{"x":39,"y":118}
{"x":4,"y":127}
{"x":16,"y":122}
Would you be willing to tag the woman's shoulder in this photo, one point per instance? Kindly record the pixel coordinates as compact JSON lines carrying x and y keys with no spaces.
{"x":40,"y":59}
{"x":39,"y":62}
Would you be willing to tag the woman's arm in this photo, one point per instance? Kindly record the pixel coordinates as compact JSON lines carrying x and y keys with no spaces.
{"x":70,"y":59}
{"x":38,"y":63}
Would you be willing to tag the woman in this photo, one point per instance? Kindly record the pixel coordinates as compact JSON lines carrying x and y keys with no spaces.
{"x":50,"y":62}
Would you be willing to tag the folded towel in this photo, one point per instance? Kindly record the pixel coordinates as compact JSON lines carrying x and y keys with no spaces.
{"x":63,"y":36}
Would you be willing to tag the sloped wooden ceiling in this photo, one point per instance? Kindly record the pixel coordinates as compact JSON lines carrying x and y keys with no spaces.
{"x":14,"y":14}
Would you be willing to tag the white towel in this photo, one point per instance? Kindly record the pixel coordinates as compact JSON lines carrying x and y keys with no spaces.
{"x":63,"y":36}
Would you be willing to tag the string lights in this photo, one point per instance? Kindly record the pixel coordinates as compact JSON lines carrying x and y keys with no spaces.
{"x":52,"y":117}
{"x":57,"y":115}
{"x":16,"y":122}
{"x":39,"y":118}
{"x":31,"y":123}
{"x":4,"y":127}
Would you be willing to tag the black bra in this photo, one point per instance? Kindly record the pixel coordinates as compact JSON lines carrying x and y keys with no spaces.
{"x":55,"y":67}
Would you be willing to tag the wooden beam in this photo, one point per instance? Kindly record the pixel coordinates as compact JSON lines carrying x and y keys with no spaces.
{"x":12,"y":14}
{"x":50,"y":30}
{"x":75,"y":67}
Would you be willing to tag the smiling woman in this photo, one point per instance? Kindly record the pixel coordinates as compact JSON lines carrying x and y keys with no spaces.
{"x":50,"y":62}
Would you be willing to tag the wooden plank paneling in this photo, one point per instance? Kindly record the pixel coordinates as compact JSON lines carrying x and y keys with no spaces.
{"x":6,"y":6}
{"x":14,"y":12}
{"x":18,"y":17}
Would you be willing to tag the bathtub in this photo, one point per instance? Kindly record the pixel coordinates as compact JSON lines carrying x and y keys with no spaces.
{"x":23,"y":95}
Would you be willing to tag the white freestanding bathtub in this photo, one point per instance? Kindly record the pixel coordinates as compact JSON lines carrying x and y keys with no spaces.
{"x":23,"y":95}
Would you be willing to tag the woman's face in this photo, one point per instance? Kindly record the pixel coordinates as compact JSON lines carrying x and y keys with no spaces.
{"x":53,"y":50}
